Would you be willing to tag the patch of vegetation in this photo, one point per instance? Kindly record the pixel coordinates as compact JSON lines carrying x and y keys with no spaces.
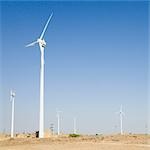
{"x":135,"y":136}
{"x":74,"y":135}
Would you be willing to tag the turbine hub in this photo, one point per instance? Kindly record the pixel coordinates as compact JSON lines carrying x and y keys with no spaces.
{"x":42,"y":42}
{"x":13,"y":94}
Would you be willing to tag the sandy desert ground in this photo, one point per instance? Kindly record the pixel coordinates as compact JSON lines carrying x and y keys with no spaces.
{"x":111,"y":142}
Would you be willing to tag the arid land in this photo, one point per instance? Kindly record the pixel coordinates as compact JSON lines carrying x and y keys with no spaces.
{"x":99,"y":142}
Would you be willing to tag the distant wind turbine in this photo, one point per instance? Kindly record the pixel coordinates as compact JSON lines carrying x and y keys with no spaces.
{"x":58,"y":122}
{"x":74,"y":126}
{"x":12,"y":99}
{"x":121,"y":114}
{"x":41,"y":42}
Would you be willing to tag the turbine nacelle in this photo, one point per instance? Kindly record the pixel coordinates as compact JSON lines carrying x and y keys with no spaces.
{"x":41,"y":42}
{"x":12,"y":94}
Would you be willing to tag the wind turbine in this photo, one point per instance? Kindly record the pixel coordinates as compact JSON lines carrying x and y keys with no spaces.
{"x":74,"y":126}
{"x":41,"y":42}
{"x":12,"y":99}
{"x":121,"y":114}
{"x":58,"y":122}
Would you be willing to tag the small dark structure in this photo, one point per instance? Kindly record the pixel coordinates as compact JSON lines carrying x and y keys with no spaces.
{"x":37,"y":134}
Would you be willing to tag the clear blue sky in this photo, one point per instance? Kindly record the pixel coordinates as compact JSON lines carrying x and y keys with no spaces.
{"x":96,"y":59}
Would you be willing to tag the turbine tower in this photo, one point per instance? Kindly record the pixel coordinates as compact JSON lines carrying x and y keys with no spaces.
{"x":74,"y":126}
{"x":58,"y":122}
{"x":12,"y":99}
{"x":121,"y":114}
{"x":41,"y":42}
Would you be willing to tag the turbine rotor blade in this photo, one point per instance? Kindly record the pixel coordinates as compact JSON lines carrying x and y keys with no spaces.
{"x":32,"y":44}
{"x":42,"y":34}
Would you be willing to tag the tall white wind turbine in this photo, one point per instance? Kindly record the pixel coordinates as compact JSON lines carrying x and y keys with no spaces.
{"x":12,"y":99}
{"x":41,"y":42}
{"x":121,"y":114}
